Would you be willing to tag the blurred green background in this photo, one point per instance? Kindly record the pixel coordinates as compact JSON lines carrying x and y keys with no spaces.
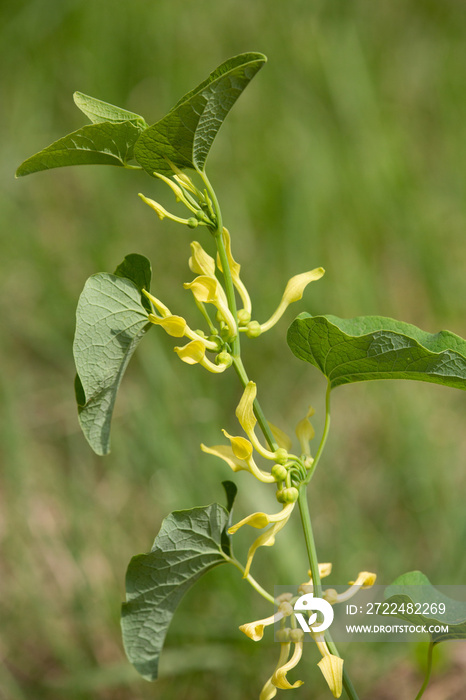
{"x":347,"y":151}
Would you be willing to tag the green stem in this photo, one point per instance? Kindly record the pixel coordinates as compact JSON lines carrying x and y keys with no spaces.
{"x":229,"y":287}
{"x":324,"y":436}
{"x":252,"y":580}
{"x":428,"y":671}
{"x":241,"y":372}
{"x":314,"y":564}
{"x":309,"y":538}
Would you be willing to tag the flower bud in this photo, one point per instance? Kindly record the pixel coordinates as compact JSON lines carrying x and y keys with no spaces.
{"x":279,"y":472}
{"x":284,"y":597}
{"x":281,"y":455}
{"x":244,"y":317}
{"x":285,"y":608}
{"x":224,"y":358}
{"x":283,"y":635}
{"x":287,"y":495}
{"x":331,"y":596}
{"x":253,"y":329}
{"x":296,"y":635}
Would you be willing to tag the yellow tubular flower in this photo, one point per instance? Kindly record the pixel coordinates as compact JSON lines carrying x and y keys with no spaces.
{"x":332,"y":670}
{"x":163,"y":213}
{"x":173,"y":325}
{"x":261,"y":520}
{"x":247,"y":419}
{"x":324,"y":571}
{"x":279,"y":678}
{"x":161,"y":308}
{"x":293,"y":292}
{"x":230,"y":456}
{"x":226,"y":453}
{"x":177,"y":327}
{"x":255,"y":630}
{"x":305,"y":432}
{"x":365,"y":579}
{"x":265,"y":540}
{"x":208,"y":290}
{"x":242,"y":449}
{"x":269,"y":691}
{"x":200,"y":262}
{"x":235,"y":270}
{"x":330,"y":665}
{"x":176,"y":189}
{"x":281,"y":438}
{"x":192,"y":353}
{"x":245,"y":409}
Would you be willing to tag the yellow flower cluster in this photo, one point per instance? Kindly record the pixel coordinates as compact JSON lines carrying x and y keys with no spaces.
{"x":330,"y":664}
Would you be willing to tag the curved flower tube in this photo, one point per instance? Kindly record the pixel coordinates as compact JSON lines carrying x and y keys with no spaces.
{"x":269,"y":691}
{"x":261,"y":520}
{"x":255,"y":630}
{"x":235,"y":270}
{"x":331,"y":666}
{"x":305,"y":432}
{"x":293,"y":292}
{"x":279,"y":678}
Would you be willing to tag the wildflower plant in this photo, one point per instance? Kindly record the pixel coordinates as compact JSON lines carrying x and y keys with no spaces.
{"x":116,"y":311}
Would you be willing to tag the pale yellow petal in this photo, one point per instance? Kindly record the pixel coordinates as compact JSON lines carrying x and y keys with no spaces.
{"x":161,"y":308}
{"x":332,"y":670}
{"x":226,"y":453}
{"x":245,"y":410}
{"x":297,"y":284}
{"x":365,"y":579}
{"x":261,"y":520}
{"x":204,"y":288}
{"x":173,"y":325}
{"x":279,"y":678}
{"x":192,"y":353}
{"x":269,"y":691}
{"x":293,"y":292}
{"x":267,"y":539}
{"x":281,"y":438}
{"x":257,"y":520}
{"x":201,"y":263}
{"x":305,"y":432}
{"x":241,"y":447}
{"x":255,"y":630}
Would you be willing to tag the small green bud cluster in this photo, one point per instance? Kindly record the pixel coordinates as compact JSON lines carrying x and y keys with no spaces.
{"x":287,"y":495}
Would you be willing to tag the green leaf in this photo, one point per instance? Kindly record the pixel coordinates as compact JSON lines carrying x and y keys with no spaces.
{"x":416,"y":589}
{"x":95,"y":144}
{"x":137,"y":268}
{"x":110,"y":322}
{"x":230,"y":491}
{"x":187,"y":546}
{"x":98,"y":111}
{"x":185,"y":135}
{"x":373,"y":347}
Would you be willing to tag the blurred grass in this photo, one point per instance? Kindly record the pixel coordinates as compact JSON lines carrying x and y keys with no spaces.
{"x":347,"y":151}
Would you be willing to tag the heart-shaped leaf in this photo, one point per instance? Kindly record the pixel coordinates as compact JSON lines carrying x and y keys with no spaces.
{"x":185,"y":135}
{"x":98,"y":111}
{"x":106,"y":143}
{"x":374,"y":347}
{"x":188,"y":545}
{"x":415,"y":599}
{"x":110,"y":321}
